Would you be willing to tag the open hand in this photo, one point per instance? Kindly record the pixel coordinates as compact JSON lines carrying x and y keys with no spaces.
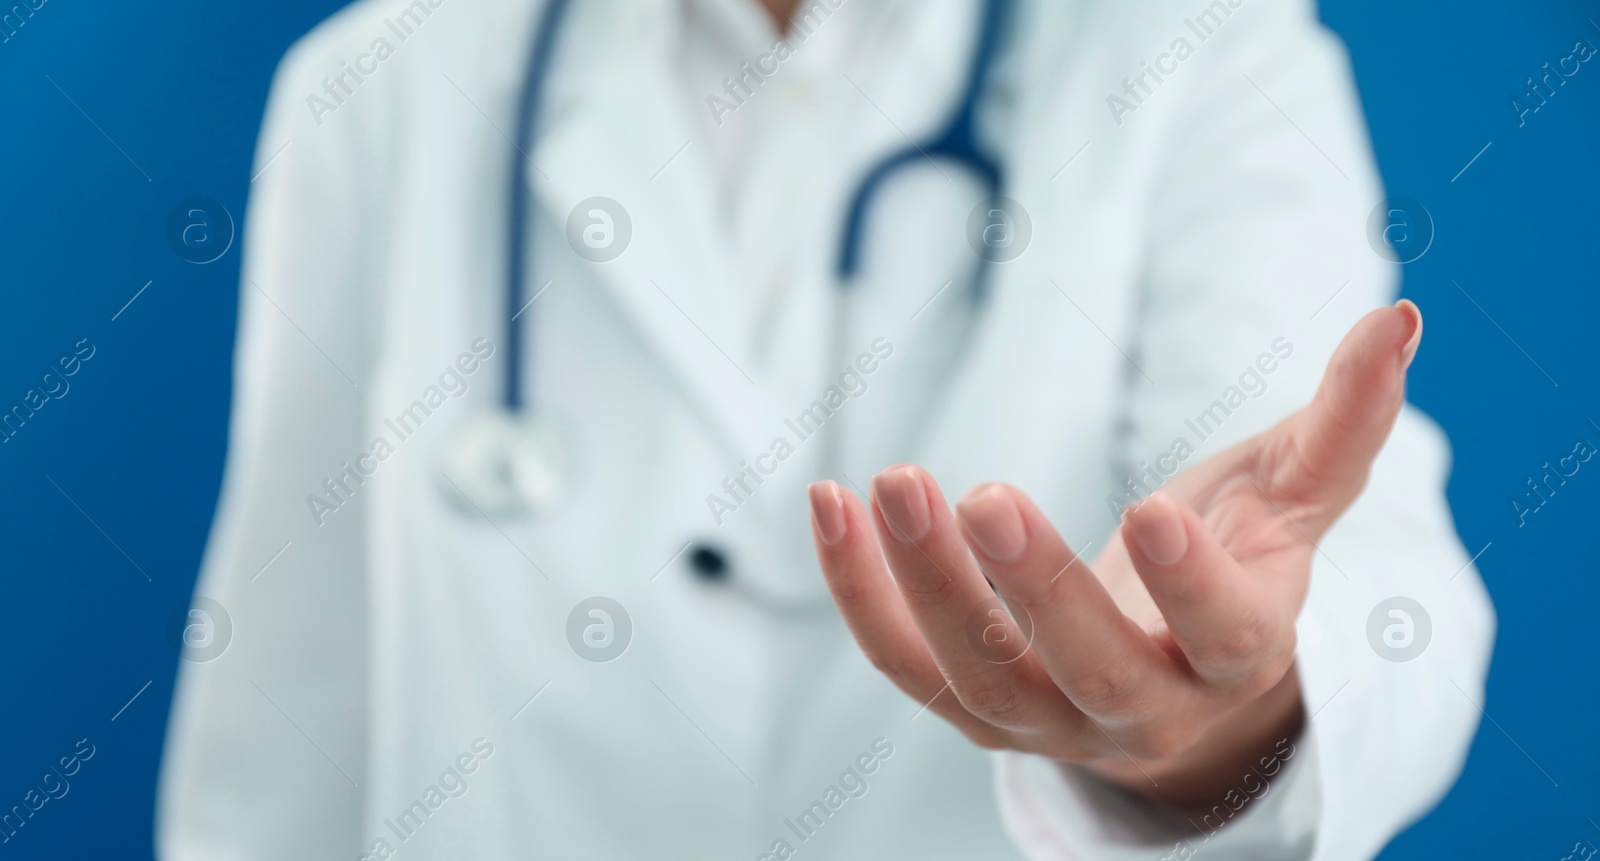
{"x":1169,"y":659}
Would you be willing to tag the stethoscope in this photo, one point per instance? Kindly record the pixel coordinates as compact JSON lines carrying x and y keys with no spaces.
{"x":516,"y":461}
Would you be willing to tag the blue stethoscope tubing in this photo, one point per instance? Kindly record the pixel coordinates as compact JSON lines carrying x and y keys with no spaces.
{"x":517,"y":250}
{"x":957,"y":142}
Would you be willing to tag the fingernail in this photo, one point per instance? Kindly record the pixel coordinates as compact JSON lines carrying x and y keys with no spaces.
{"x":904,"y":503}
{"x":1158,"y":528}
{"x":1409,"y":351}
{"x":992,"y":518}
{"x":827,"y":512}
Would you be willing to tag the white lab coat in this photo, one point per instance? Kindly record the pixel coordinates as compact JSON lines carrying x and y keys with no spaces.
{"x":387,"y":648}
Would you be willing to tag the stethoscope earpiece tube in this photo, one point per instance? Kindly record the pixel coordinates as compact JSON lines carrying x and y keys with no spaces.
{"x":518,"y":249}
{"x":957,"y":142}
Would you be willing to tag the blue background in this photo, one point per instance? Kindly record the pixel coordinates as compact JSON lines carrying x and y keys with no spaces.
{"x":138,"y":441}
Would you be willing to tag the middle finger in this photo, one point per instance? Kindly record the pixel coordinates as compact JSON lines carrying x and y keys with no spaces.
{"x":1104,"y":662}
{"x":951,"y":603}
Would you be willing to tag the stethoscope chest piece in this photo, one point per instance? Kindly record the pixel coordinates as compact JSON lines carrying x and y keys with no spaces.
{"x":505,"y":464}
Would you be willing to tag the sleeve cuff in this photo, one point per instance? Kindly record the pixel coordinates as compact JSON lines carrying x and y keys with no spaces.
{"x":1056,"y":813}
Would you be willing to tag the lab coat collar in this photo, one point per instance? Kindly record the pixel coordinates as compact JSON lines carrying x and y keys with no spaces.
{"x":623,"y":135}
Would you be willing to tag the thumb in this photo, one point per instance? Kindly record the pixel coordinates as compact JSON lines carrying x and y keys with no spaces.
{"x":1337,"y":436}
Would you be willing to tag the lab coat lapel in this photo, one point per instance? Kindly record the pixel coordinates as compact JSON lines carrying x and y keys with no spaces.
{"x":623,"y":135}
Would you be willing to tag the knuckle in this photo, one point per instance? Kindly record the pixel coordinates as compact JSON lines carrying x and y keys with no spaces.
{"x":892,"y":665}
{"x":1255,"y":657}
{"x":998,"y":701}
{"x":1112,"y":689}
{"x":849,"y":592}
{"x":1248,"y":642}
{"x":1271,"y":671}
{"x":928,"y":589}
{"x":1037,"y":593}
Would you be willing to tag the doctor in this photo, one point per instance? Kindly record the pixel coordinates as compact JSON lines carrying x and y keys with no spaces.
{"x":552,"y":312}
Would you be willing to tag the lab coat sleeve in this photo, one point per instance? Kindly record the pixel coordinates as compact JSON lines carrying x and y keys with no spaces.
{"x":265,"y":749}
{"x":1258,"y":231}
